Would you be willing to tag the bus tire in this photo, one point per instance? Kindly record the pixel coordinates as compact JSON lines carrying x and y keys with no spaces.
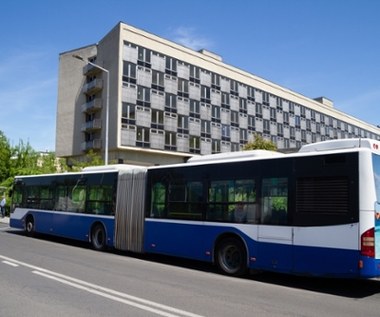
{"x":231,"y":257}
{"x":98,"y":237}
{"x":29,"y":226}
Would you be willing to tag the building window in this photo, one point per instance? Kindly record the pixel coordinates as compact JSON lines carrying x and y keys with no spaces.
{"x":129,"y":72}
{"x":280,"y":129}
{"x":243,"y":105}
{"x":183,"y":88}
{"x":279,"y":103}
{"x":157,"y":119}
{"x":243,"y":136}
{"x":292,"y":133}
{"x":273,"y":114}
{"x":194,"y":108}
{"x":266,"y":126}
{"x":170,"y":103}
{"x":144,"y":57}
{"x":286,"y":118}
{"x":142,"y":137}
{"x":215,"y":114}
{"x":298,"y":122}
{"x":226,"y":132}
{"x":251,"y":93}
{"x":265,"y":98}
{"x":194,"y":144}
{"x":170,"y":141}
{"x":291,"y":108}
{"x":215,"y":146}
{"x":194,"y":74}
{"x":215,"y":81}
{"x":171,"y":66}
{"x":183,"y":124}
{"x":251,"y":123}
{"x":234,"y":88}
{"x":225,"y":100}
{"x":128,"y":113}
{"x":205,"y":94}
{"x":158,"y":80}
{"x":235,"y":118}
{"x":143,"y":96}
{"x":259,"y":110}
{"x":205,"y":128}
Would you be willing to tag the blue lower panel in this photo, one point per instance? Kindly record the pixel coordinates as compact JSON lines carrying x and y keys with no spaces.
{"x":197,"y":242}
{"x":183,"y":240}
{"x":326,"y":262}
{"x":72,"y":226}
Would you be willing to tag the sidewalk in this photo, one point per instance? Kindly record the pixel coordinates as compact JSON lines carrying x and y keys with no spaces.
{"x":4,"y":220}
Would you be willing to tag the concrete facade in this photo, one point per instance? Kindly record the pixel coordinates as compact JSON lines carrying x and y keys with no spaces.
{"x":168,"y":103}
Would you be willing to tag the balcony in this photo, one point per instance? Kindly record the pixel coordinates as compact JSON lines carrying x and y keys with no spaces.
{"x":93,"y":86}
{"x":92,"y":106}
{"x":90,"y":69}
{"x":93,"y":125}
{"x":95,"y":144}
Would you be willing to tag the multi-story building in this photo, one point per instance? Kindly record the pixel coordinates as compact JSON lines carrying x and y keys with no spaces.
{"x":168,"y":102}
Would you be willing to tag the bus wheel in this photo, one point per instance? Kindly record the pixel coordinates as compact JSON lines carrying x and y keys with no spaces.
{"x":29,"y":226}
{"x":98,"y":237}
{"x":231,"y":257}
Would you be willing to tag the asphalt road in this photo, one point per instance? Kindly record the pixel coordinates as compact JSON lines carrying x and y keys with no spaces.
{"x":54,"y":277}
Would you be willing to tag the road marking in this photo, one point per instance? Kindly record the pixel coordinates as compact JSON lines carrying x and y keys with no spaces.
{"x":10,"y":263}
{"x":141,"y":303}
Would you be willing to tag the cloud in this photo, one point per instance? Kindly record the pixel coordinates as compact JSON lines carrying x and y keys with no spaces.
{"x":188,"y":37}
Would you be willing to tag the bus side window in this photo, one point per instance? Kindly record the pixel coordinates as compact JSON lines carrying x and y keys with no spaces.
{"x":158,"y":201}
{"x":274,"y":201}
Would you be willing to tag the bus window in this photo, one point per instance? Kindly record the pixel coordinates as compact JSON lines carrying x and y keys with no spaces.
{"x":46,"y":198}
{"x":225,"y":196}
{"x":158,"y":201}
{"x":274,"y":201}
{"x":100,"y":200}
{"x":185,"y":200}
{"x":77,"y":198}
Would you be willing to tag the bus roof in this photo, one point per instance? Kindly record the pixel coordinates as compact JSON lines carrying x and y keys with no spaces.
{"x":234,"y":155}
{"x":342,"y":144}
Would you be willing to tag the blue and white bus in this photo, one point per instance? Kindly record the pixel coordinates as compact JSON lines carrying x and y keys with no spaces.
{"x":315,"y":212}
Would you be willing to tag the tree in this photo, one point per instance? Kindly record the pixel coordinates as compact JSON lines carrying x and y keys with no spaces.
{"x":5,"y":155}
{"x":259,"y":143}
{"x":91,"y":159}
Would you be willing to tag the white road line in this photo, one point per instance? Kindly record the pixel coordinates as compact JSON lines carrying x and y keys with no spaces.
{"x":10,"y":263}
{"x":156,"y":308}
{"x":109,"y":296}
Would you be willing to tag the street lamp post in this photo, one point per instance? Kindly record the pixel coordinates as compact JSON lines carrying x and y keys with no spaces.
{"x":107,"y":102}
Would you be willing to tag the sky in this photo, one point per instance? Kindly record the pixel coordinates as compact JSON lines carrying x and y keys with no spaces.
{"x":316,"y":48}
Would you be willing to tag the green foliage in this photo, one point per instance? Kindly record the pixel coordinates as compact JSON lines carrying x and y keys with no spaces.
{"x":5,"y":155}
{"x":22,"y":159}
{"x":259,"y":143}
{"x":91,"y":159}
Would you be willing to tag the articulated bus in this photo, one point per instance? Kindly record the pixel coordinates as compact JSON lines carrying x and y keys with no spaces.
{"x":315,"y":212}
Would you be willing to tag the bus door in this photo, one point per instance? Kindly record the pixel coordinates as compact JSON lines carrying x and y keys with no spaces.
{"x":275,"y":236}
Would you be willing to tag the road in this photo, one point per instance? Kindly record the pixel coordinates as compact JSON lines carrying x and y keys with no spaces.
{"x":52,"y":277}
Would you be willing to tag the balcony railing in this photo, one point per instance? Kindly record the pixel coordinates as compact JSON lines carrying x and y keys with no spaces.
{"x":92,"y":106}
{"x":95,"y":124}
{"x":90,"y":69}
{"x":92,"y":145}
{"x":93,"y":86}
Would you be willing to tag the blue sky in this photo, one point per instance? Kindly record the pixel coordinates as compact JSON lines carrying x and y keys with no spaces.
{"x":317,"y":48}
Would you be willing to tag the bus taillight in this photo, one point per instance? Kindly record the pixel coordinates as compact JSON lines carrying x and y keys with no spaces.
{"x":368,"y":243}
